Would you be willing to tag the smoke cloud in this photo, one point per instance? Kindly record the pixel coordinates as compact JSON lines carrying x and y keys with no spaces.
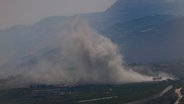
{"x":82,"y":56}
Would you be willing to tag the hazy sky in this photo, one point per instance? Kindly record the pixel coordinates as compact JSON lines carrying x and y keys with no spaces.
{"x":25,"y":12}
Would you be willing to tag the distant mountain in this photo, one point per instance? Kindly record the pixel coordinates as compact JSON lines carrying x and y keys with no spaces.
{"x":127,"y":28}
{"x":124,"y":10}
{"x":26,"y":40}
{"x":127,"y":10}
{"x":143,"y":33}
{"x":137,"y":26}
{"x":157,"y":43}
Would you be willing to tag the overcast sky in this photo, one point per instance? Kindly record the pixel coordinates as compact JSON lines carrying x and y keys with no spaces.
{"x":26,"y":12}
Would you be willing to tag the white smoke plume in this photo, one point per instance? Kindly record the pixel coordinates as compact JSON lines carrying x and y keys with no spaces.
{"x":84,"y":56}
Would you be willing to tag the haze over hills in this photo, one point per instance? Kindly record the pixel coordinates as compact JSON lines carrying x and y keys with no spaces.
{"x":151,"y":43}
{"x":157,"y":43}
{"x":25,"y":40}
{"x":142,"y":37}
{"x":126,"y":10}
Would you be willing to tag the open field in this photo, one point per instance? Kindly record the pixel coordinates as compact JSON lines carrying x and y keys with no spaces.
{"x":83,"y":94}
